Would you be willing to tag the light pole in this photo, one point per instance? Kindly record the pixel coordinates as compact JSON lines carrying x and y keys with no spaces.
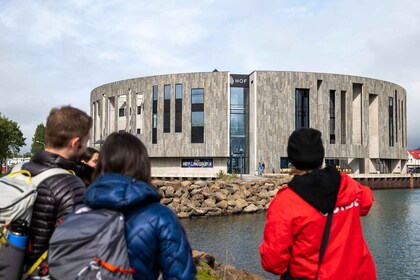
{"x":241,"y":152}
{"x":39,"y":142}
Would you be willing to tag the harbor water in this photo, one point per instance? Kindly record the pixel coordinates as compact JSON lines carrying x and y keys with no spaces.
{"x":391,"y":229}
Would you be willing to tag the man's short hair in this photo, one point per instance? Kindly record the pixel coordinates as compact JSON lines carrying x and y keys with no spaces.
{"x":64,"y":123}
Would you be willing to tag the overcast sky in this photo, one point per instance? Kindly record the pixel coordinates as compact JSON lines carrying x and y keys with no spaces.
{"x":54,"y":53}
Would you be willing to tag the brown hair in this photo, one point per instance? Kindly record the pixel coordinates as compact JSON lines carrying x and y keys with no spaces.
{"x":125,"y":154}
{"x":63,"y":124}
{"x":87,"y":154}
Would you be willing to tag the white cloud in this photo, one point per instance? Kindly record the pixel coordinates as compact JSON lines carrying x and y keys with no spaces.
{"x":55,"y":52}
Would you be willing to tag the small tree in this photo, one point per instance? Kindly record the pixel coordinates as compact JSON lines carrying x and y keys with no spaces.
{"x":11,"y":139}
{"x":38,"y":141}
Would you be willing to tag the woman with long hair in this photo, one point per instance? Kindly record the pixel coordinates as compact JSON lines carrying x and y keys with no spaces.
{"x":90,"y":157}
{"x":156,"y":241}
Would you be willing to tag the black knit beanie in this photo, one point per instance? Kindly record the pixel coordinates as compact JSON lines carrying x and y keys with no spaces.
{"x":305,"y":149}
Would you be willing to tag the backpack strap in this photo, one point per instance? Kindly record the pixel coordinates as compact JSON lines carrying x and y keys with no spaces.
{"x":35,"y":266}
{"x":41,"y":176}
{"x":324,"y":241}
{"x":49,"y":173}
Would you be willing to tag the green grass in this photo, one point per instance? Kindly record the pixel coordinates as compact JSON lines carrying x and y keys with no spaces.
{"x":203,"y":272}
{"x":221,"y":175}
{"x":202,"y":275}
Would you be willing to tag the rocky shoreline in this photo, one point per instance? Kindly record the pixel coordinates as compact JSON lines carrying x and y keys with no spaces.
{"x":197,"y":198}
{"x":209,"y":269}
{"x":201,"y":198}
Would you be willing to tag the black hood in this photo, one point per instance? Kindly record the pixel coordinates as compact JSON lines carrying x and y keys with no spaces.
{"x":319,"y":188}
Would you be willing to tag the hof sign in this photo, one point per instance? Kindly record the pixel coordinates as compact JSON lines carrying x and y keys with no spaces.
{"x":197,"y":163}
{"x":239,"y":81}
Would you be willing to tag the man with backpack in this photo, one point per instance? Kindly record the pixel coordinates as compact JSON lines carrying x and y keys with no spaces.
{"x":66,"y":135}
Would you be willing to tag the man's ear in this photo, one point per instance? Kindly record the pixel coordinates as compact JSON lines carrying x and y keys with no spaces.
{"x":74,"y":143}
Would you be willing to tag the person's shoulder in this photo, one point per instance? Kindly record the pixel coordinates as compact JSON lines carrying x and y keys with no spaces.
{"x":63,"y":180}
{"x":285,"y":196}
{"x":284,"y":191}
{"x":161,"y":210}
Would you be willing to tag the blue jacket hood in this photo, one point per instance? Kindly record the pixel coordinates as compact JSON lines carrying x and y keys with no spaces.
{"x":119,"y":192}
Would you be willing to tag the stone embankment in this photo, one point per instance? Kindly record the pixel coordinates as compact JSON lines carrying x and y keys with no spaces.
{"x":194,"y":198}
{"x":208,"y":268}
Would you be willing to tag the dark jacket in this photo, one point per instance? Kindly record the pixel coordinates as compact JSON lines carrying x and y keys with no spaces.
{"x":85,"y":172}
{"x":156,"y":239}
{"x":56,"y":197}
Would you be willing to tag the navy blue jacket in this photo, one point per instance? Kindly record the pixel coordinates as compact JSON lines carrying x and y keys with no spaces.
{"x":156,"y":239}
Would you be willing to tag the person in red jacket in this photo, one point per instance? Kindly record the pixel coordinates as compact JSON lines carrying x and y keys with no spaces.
{"x":297,"y":216}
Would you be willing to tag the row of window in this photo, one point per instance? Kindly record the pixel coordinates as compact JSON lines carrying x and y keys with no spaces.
{"x":122,"y":111}
{"x":197,"y":112}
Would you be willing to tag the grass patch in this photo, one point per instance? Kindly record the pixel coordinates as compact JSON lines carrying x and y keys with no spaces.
{"x":204,"y":272}
{"x":221,"y":175}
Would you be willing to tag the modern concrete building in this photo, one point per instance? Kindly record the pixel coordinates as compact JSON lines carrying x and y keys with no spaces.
{"x":196,"y":124}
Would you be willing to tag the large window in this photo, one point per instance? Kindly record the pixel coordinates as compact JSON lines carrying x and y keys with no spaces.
{"x":332,"y":116}
{"x":178,"y":108}
{"x":343,"y":117}
{"x":302,"y":108}
{"x":402,"y":122}
{"x":396,"y":116}
{"x":154,"y":117}
{"x":391,"y":121}
{"x":197,"y":115}
{"x":167,"y":109}
{"x":239,"y":131}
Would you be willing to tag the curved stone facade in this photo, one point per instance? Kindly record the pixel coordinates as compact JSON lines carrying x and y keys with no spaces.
{"x":196,"y":124}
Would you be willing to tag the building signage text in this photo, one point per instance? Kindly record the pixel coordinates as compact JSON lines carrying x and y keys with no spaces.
{"x":197,"y":163}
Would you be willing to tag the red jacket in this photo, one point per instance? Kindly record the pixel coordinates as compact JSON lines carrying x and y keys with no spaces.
{"x":294,"y":229}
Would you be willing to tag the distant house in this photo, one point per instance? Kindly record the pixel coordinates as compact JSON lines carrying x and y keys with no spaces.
{"x":413,"y":162}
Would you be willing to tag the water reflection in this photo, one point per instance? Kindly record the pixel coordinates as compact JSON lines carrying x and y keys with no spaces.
{"x":392,"y":231}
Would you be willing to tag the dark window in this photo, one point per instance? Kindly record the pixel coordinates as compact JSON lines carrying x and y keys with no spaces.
{"x":138,"y":131}
{"x":391,"y":121}
{"x":197,"y":115}
{"x":396,"y":117}
{"x":332,"y":162}
{"x":302,"y":108}
{"x":197,"y":134}
{"x":138,"y":110}
{"x":121,"y":112}
{"x":284,"y":162}
{"x":343,"y":117}
{"x":332,"y":117}
{"x":402,"y":122}
{"x":167,"y":109}
{"x":178,"y":108}
{"x":154,"y":115}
